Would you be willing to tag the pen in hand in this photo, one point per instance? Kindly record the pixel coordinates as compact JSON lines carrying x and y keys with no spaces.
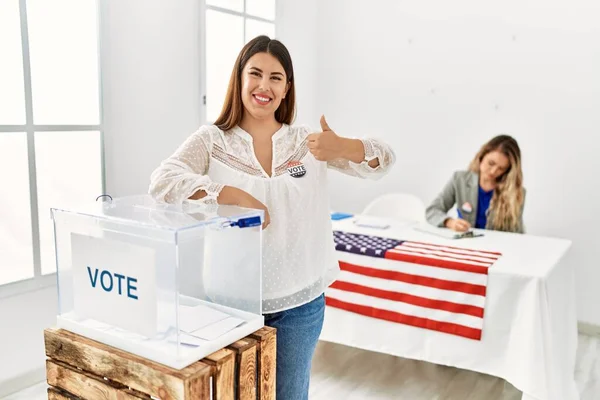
{"x":460,"y":224}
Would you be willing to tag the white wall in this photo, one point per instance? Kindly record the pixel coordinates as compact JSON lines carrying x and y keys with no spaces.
{"x":296,"y":27}
{"x":151,"y":86}
{"x":24,"y":318}
{"x":438,"y":79}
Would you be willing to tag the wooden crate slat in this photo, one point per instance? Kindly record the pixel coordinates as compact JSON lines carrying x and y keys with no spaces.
{"x":85,"y":385}
{"x":197,"y":388}
{"x":266,"y":361}
{"x":223,"y":362}
{"x":246,"y":371}
{"x":57,"y":394}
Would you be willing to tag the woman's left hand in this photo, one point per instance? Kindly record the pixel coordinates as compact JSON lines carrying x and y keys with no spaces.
{"x":327,"y":145}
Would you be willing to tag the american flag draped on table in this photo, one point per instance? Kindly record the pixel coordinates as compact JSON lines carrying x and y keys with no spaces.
{"x":425,"y":285}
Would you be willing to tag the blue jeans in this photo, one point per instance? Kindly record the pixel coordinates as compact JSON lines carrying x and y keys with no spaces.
{"x":298,"y":331}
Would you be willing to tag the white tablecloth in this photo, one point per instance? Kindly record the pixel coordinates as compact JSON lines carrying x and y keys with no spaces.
{"x":530,"y":325}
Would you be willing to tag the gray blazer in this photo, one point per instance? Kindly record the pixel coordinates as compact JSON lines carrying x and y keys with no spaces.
{"x":461,"y":189}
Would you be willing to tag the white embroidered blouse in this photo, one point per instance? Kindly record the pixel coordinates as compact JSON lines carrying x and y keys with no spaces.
{"x":298,"y":251}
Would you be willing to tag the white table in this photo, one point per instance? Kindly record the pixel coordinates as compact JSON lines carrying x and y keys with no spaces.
{"x":530,"y":326}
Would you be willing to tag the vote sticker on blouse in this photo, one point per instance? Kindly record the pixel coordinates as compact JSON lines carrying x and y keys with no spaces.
{"x":467,"y":207}
{"x":296,"y":169}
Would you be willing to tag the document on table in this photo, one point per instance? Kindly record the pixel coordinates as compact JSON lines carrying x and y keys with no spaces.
{"x":447,"y":233}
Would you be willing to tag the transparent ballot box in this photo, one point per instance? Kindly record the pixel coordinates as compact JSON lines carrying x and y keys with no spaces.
{"x":171,"y":283}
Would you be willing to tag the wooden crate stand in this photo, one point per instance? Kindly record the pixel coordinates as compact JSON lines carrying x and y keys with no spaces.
{"x":81,"y":368}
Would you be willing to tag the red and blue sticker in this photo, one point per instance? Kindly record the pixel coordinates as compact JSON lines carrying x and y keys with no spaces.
{"x":296,"y":169}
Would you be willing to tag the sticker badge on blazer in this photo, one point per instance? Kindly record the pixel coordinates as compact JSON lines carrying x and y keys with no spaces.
{"x":296,"y":169}
{"x":467,"y":207}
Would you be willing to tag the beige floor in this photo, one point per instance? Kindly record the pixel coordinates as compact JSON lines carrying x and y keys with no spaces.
{"x":345,"y":373}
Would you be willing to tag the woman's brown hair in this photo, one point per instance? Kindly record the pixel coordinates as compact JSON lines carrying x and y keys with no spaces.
{"x":233,"y":108}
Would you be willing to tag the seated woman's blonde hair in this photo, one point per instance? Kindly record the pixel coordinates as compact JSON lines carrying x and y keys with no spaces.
{"x":509,"y":195}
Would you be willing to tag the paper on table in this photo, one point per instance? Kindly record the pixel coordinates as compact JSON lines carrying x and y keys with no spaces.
{"x":382,"y":223}
{"x":371,"y":223}
{"x":447,"y":233}
{"x":217,"y":329}
{"x":194,"y":318}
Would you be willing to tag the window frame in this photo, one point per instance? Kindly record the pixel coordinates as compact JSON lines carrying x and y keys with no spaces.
{"x":39,"y":281}
{"x":245,"y":16}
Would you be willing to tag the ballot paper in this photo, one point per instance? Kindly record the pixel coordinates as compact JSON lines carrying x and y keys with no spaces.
{"x":199,"y":316}
{"x":200,"y":323}
{"x":213,"y":331}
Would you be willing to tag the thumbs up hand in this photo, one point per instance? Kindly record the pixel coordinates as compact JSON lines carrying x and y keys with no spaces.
{"x":327,"y":145}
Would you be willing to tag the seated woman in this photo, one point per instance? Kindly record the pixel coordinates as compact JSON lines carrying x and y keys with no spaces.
{"x":489,"y":195}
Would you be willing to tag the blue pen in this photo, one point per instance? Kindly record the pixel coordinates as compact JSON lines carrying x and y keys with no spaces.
{"x":461,"y":217}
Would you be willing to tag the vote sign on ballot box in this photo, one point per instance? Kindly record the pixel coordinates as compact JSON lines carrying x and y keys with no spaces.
{"x":172,"y":283}
{"x":109,"y":285}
